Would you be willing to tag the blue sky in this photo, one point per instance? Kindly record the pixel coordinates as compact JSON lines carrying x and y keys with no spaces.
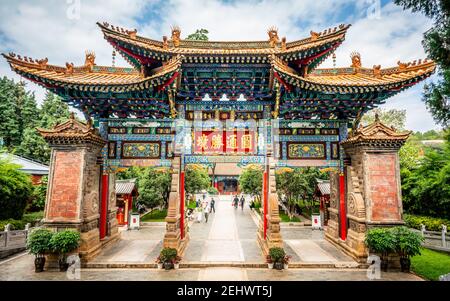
{"x":63,"y":30}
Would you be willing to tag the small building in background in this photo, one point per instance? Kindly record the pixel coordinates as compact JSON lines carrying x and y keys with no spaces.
{"x":323,"y":194}
{"x":29,"y":166}
{"x":126,"y":192}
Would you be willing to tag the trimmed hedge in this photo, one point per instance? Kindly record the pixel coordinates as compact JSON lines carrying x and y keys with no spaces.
{"x":32,"y":218}
{"x":431,"y":223}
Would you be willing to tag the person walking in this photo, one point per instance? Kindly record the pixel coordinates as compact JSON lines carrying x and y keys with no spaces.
{"x":242,"y":202}
{"x":235,"y":202}
{"x":207,"y":209}
{"x":213,"y":205}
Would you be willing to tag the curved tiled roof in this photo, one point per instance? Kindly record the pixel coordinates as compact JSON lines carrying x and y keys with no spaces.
{"x":355,"y":80}
{"x":94,"y":77}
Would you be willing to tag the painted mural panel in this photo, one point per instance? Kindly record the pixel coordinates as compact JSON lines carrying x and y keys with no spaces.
{"x":306,"y":150}
{"x":139,"y":150}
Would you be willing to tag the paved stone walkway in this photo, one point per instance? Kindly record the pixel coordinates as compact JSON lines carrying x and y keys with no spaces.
{"x":228,"y":236}
{"x":22,"y":269}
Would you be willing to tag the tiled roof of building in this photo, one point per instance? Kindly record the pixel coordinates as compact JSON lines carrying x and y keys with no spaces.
{"x":323,"y":186}
{"x":125,"y":186}
{"x":27,"y":165}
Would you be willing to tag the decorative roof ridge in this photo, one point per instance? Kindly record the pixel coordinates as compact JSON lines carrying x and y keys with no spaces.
{"x":326,"y":34}
{"x":282,"y":46}
{"x":42,"y":64}
{"x":72,"y":130}
{"x":427,"y":68}
{"x":376,"y":131}
{"x":415,"y":65}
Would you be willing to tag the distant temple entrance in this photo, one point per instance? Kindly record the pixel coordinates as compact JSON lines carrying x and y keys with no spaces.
{"x":200,"y":102}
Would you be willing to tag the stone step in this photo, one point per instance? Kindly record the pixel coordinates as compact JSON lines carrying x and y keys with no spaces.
{"x":248,"y":265}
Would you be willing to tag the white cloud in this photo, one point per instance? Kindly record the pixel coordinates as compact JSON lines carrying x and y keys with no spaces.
{"x":42,"y":29}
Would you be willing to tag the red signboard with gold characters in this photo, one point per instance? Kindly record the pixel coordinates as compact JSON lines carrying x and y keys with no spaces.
{"x":225,"y":141}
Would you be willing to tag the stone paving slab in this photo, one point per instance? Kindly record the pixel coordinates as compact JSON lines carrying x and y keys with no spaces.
{"x":22,"y":269}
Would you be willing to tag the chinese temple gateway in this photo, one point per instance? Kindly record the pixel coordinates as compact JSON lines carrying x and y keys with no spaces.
{"x":236,"y":103}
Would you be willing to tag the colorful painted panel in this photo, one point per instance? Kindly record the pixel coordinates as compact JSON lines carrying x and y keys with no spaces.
{"x":229,"y":142}
{"x":138,"y":150}
{"x":117,"y":130}
{"x":142,"y":131}
{"x":111,"y":150}
{"x":306,"y":150}
{"x":329,"y":131}
{"x":334,"y":150}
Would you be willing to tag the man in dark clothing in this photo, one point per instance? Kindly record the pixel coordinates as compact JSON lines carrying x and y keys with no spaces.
{"x":235,"y":202}
{"x":213,"y":203}
{"x":242,"y":202}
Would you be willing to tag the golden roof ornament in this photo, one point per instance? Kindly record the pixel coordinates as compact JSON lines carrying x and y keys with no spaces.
{"x":283,"y":43}
{"x":132,"y":33}
{"x":176,"y":36}
{"x":356,"y":60}
{"x":314,"y":35}
{"x":69,"y":68}
{"x":165,"y":42}
{"x":273,"y":36}
{"x":89,"y":61}
{"x":377,"y":71}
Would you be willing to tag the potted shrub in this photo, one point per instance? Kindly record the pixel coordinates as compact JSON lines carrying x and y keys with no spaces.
{"x":159,"y":262}
{"x":269,"y":262}
{"x":38,"y":243}
{"x":408,"y":243}
{"x":381,"y":241}
{"x":176,"y":262}
{"x":167,"y":257}
{"x":277,"y":255}
{"x":63,"y":243}
{"x":286,"y":261}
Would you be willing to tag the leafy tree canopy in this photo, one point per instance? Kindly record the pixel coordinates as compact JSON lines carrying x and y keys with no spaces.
{"x":199,"y":35}
{"x":436,"y":43}
{"x":392,"y":117}
{"x":196,"y":179}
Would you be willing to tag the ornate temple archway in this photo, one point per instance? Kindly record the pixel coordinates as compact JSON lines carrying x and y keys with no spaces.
{"x":152,"y":113}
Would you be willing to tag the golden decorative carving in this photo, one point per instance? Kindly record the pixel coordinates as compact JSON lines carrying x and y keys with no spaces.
{"x":356,"y":60}
{"x":377,"y":71}
{"x":42,"y":63}
{"x":283,"y":43}
{"x":69,"y":69}
{"x":132,"y":33}
{"x":403,"y":66}
{"x":314,"y":35}
{"x":176,"y":36}
{"x":273,"y":36}
{"x":165,"y":42}
{"x":89,"y":62}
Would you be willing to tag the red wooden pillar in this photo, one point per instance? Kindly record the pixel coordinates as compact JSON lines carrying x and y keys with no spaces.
{"x":104,"y":205}
{"x":182,"y":204}
{"x":265,"y":199}
{"x":342,"y":207}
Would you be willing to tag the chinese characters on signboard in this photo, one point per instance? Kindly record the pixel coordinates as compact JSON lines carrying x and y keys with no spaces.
{"x":223,"y":141}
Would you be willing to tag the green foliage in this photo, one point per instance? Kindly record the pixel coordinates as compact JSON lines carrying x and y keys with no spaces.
{"x":15,"y":190}
{"x":167,"y":255}
{"x":410,"y":154}
{"x":53,"y":111}
{"x":15,"y":224}
{"x":286,"y":219}
{"x":64,"y":242}
{"x":381,"y":240}
{"x":250,"y":180}
{"x":153,"y":184}
{"x":37,"y":202}
{"x":38,"y":242}
{"x":213,"y":191}
{"x":155,"y":216}
{"x":277,"y":254}
{"x":431,"y":264}
{"x":426,"y":189}
{"x":34,"y":146}
{"x":436,"y":40}
{"x":392,"y":117}
{"x":407,"y":243}
{"x":196,"y":179}
{"x":431,"y":224}
{"x":199,"y":35}
{"x":19,"y":111}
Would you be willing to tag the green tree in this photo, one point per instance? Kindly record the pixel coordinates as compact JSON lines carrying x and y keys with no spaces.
{"x":53,"y":111}
{"x":34,"y":146}
{"x":199,"y":35}
{"x":153,"y":184}
{"x":15,"y":190}
{"x":392,"y":117}
{"x":196,"y":179}
{"x":19,"y":112}
{"x":436,"y":43}
{"x":250,"y":181}
{"x":426,"y":188}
